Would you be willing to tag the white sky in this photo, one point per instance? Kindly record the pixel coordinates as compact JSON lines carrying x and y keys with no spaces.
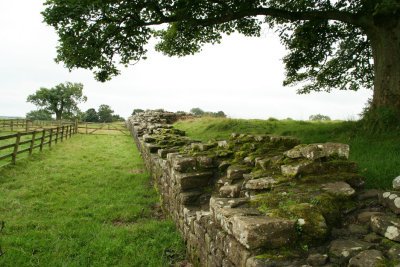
{"x":242,"y":76}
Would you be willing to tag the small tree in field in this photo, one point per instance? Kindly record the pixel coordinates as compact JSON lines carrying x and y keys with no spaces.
{"x":62,"y":100}
{"x":197,"y":111}
{"x":319,"y":117}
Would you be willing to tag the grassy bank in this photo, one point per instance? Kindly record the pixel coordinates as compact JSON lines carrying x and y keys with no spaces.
{"x":378,"y":155}
{"x":84,"y":202}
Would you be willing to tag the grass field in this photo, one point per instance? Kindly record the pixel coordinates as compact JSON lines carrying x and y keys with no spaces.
{"x":378,"y":155}
{"x":85,"y":202}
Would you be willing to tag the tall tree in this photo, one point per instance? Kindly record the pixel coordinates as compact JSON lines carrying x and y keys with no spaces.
{"x":105,"y":113}
{"x":91,"y":115}
{"x":61,"y":100}
{"x":340,"y":44}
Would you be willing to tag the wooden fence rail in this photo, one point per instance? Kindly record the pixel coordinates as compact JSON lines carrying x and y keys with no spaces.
{"x":26,"y":125}
{"x":102,"y":128}
{"x":35,"y":140}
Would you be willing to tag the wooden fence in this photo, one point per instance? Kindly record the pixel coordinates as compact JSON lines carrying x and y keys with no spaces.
{"x":101,"y":128}
{"x":26,"y":125}
{"x":28,"y":141}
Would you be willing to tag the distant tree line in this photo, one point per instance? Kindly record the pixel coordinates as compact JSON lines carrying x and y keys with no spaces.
{"x":103,"y":114}
{"x":62,"y":100}
{"x":200,"y":112}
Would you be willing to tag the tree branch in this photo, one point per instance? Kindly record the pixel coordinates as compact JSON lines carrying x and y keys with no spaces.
{"x":346,"y":17}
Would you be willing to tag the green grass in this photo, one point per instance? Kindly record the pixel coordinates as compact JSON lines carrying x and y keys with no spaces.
{"x":378,"y":155}
{"x":84,"y":202}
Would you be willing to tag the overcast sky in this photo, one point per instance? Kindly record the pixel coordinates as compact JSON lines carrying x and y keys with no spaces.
{"x":241,"y":76}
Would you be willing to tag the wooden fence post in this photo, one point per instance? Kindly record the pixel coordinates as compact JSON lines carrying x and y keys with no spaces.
{"x":27,"y":125}
{"x":14,"y":155}
{"x":76,"y":126}
{"x":51,"y":136}
{"x":12,"y":124}
{"x":62,"y":133}
{"x":56,"y":140}
{"x":42,"y":140}
{"x":86,"y":128}
{"x":32,"y":143}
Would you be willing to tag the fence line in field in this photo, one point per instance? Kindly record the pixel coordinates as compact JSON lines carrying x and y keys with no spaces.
{"x":98,"y":128}
{"x":44,"y":137}
{"x":26,"y":125}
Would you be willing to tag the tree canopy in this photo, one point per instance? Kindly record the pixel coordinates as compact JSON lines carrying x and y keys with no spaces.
{"x":91,"y":115}
{"x":104,"y":114}
{"x":319,"y":117}
{"x":40,"y":115}
{"x":62,"y":100}
{"x":344,"y":44}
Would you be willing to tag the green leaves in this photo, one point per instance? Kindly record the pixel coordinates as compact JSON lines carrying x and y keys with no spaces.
{"x":325,"y":55}
{"x":62,"y":99}
{"x":326,"y":40}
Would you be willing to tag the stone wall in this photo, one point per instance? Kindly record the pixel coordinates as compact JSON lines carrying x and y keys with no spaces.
{"x":251,"y":200}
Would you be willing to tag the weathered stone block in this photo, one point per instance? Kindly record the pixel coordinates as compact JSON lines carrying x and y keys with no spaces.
{"x":223,"y":143}
{"x":191,"y":197}
{"x":162,"y":153}
{"x":148,"y":138}
{"x":263,"y":231}
{"x":317,"y":259}
{"x":390,"y":200}
{"x":237,"y":253}
{"x":295,"y":169}
{"x":182,"y":162}
{"x":199,"y":232}
{"x":394,"y":252}
{"x":365,"y":258}
{"x":340,"y":189}
{"x":205,"y":161}
{"x":261,"y":183}
{"x":387,"y":226}
{"x":396,"y":183}
{"x":152,"y":148}
{"x":365,"y":216}
{"x":192,"y":180}
{"x":342,"y":250}
{"x":235,"y":172}
{"x":230,"y":190}
{"x":316,"y":151}
{"x":285,"y":141}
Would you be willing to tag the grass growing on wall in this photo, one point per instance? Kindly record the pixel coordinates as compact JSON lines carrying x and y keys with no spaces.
{"x":84,"y":202}
{"x":378,"y":155}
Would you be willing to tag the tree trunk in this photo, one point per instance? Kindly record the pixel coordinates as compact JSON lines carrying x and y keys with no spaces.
{"x":58,"y":115}
{"x":385,"y":43}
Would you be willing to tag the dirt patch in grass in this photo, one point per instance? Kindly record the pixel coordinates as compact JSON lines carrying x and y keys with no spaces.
{"x":135,"y":171}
